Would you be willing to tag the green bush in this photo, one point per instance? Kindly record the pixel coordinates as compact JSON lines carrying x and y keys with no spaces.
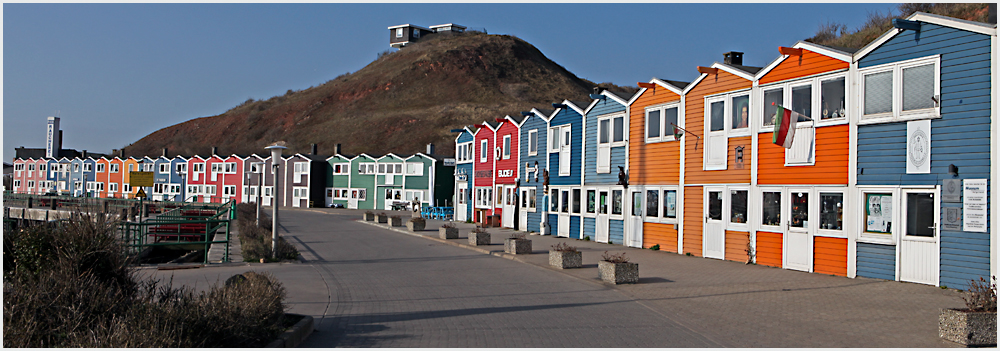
{"x":70,"y":285}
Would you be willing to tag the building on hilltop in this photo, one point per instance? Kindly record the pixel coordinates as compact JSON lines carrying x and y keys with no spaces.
{"x":401,"y":35}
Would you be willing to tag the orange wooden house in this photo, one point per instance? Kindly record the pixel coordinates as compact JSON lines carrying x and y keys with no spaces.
{"x":654,"y":161}
{"x":801,"y":192}
{"x":717,"y":160}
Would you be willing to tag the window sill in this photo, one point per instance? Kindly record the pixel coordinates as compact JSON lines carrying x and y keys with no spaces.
{"x":884,"y":239}
{"x":813,"y":163}
{"x":903,"y":118}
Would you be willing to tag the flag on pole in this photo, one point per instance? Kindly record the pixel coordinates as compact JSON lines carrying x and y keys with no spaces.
{"x":784,"y":127}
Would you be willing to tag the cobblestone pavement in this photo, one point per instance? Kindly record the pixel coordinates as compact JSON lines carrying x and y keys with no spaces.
{"x":381,"y":287}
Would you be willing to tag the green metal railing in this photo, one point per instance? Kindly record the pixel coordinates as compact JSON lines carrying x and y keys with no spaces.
{"x":168,"y":223}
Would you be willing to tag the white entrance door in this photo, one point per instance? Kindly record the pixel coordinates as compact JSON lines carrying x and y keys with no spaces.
{"x":798,"y":241}
{"x":603,"y":218}
{"x":509,"y":205}
{"x":564,"y":150}
{"x":918,"y":244}
{"x":563,"y":213}
{"x":714,"y":236}
{"x":633,"y":234}
{"x":462,"y":202}
{"x":522,"y":222}
{"x":266,"y":199}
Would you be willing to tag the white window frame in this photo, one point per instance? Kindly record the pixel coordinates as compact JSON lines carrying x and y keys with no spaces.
{"x":345,"y":168}
{"x":506,"y":147}
{"x":878,"y":238}
{"x":555,"y":139}
{"x":17,"y":183}
{"x":533,"y":142}
{"x":709,"y":100}
{"x":100,"y":168}
{"x":584,"y":211}
{"x":399,"y":32}
{"x":727,"y":207}
{"x":758,"y":200}
{"x":112,"y":187}
{"x":114,"y":168}
{"x":666,"y":132}
{"x":624,"y":131}
{"x":831,"y":233}
{"x":181,"y":168}
{"x":611,"y":202}
{"x":483,"y":149}
{"x":897,"y":114}
{"x":164,"y":168}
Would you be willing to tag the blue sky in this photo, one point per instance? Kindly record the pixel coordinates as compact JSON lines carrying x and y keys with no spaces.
{"x":117,"y":72}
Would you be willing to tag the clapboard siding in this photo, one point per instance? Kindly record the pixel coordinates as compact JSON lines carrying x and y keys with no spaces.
{"x":539,"y":125}
{"x":695,"y":117}
{"x":589,"y":227}
{"x":603,"y":108}
{"x":652,"y":163}
{"x":960,"y":137}
{"x":421,"y":182}
{"x":736,"y":246}
{"x":571,"y":117}
{"x":831,"y":158}
{"x":693,"y":219}
{"x":830,"y":255}
{"x":659,"y":234}
{"x":508,"y":128}
{"x":483,"y":134}
{"x":616,"y":230}
{"x":769,"y":249}
{"x":575,"y":230}
{"x":553,"y":222}
{"x":876,"y":261}
{"x":363,"y":181}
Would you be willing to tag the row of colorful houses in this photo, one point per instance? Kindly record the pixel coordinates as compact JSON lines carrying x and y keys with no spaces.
{"x":307,"y":180}
{"x":888,"y":177}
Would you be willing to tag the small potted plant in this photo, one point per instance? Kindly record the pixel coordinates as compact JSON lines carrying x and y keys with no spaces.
{"x":370,"y":216}
{"x":517,"y":244}
{"x":976,"y":324}
{"x":383,"y":218}
{"x":564,"y":256}
{"x":396,"y":221}
{"x":448,"y":231}
{"x":416,"y":224}
{"x":479,"y":236}
{"x":616,"y":269}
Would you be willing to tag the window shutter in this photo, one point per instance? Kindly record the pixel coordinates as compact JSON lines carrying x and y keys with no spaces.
{"x":801,"y":151}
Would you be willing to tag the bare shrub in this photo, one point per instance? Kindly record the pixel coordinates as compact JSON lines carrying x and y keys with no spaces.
{"x":614,"y":258}
{"x":981,"y":296}
{"x":564,"y":248}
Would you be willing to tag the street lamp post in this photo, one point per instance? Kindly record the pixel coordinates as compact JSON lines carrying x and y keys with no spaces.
{"x":260,"y":183}
{"x":275,"y":156}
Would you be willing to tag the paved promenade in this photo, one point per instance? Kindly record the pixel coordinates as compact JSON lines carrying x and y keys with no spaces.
{"x":384,"y":287}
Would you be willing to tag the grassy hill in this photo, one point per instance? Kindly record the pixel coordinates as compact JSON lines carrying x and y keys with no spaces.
{"x":836,"y":34}
{"x":398,"y":103}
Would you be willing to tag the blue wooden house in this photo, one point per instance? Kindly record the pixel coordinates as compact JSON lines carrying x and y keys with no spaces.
{"x":168,"y":185}
{"x":464,"y":156}
{"x":605,"y":146}
{"x":533,"y":160}
{"x":926,"y":151}
{"x":565,"y":149}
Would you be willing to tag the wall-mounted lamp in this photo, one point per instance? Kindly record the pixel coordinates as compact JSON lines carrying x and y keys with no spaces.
{"x":598,"y":96}
{"x":646,"y":85}
{"x":555,"y":105}
{"x":501,"y":120}
{"x":479,"y":125}
{"x":526,"y":113}
{"x":457,"y":130}
{"x":953,"y":170}
{"x":904,"y":24}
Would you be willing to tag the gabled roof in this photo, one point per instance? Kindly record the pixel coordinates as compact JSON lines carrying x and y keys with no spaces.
{"x":517,"y":119}
{"x":544,"y":113}
{"x":675,"y":86}
{"x":975,"y":27}
{"x":576,"y":106}
{"x":364,"y":155}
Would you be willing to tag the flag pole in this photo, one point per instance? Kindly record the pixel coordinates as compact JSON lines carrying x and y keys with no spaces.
{"x":686,"y":131}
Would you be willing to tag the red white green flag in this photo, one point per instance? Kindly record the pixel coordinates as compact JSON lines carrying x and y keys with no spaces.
{"x":784,"y":127}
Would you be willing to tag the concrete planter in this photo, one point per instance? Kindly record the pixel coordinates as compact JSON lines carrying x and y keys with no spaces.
{"x":566,"y":259}
{"x":618,"y":273}
{"x":294,"y":335}
{"x":448,"y":233}
{"x":968,"y":328}
{"x":370,"y":217}
{"x":396,"y":221}
{"x":383,"y":218}
{"x":517,"y":246}
{"x":477,"y":239}
{"x":415,"y":226}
